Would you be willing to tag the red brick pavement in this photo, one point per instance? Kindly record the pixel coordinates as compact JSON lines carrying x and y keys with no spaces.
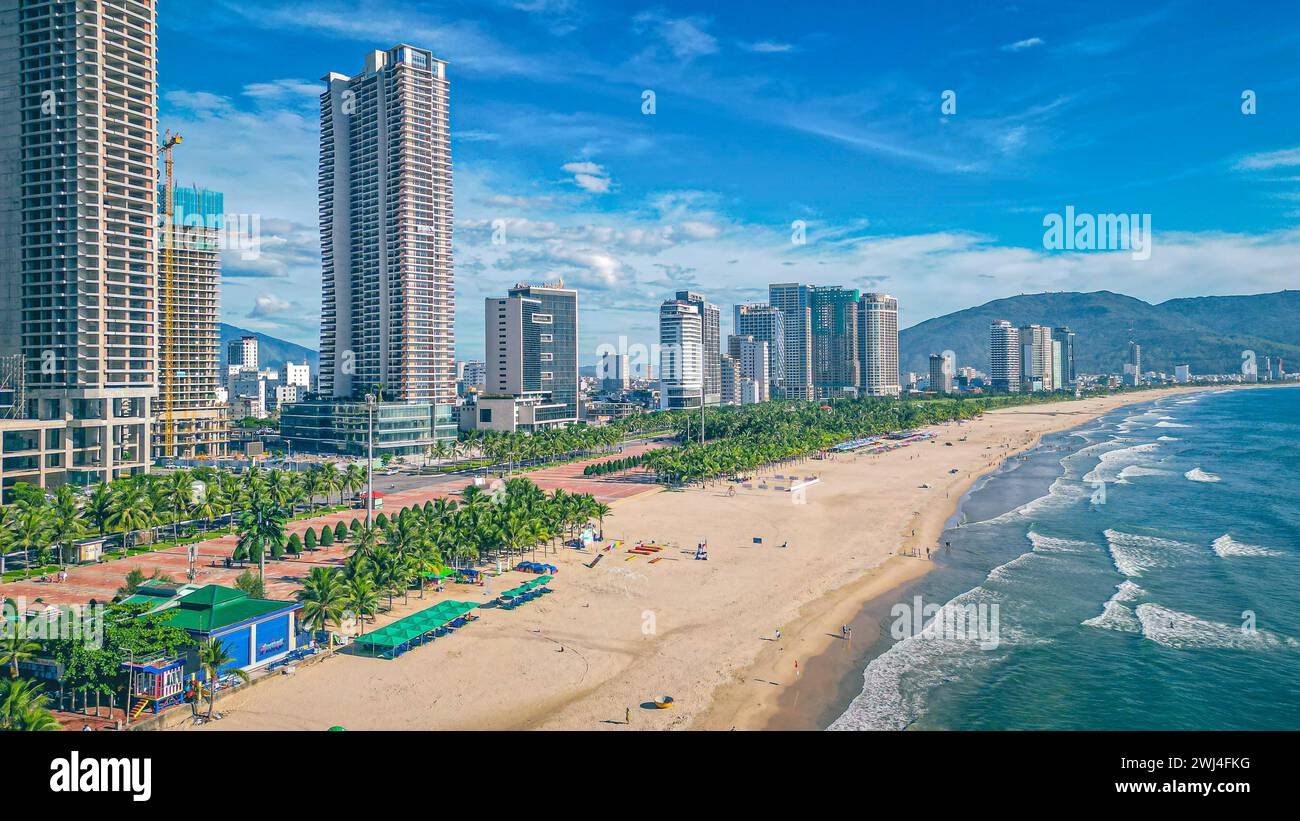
{"x":99,"y":582}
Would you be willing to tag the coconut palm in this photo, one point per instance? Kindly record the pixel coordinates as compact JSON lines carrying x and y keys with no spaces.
{"x":99,"y":506}
{"x":323,"y":598}
{"x":23,"y":707}
{"x":15,"y":647}
{"x":215,"y":660}
{"x":260,"y":526}
{"x":132,"y":510}
{"x":28,"y":528}
{"x":178,"y":496}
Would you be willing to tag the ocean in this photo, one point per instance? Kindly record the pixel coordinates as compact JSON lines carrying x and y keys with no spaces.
{"x":1140,"y":572}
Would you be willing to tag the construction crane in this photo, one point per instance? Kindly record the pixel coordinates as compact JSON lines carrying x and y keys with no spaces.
{"x":168,"y":341}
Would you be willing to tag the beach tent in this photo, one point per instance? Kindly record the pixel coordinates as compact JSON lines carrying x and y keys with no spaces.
{"x":405,"y":630}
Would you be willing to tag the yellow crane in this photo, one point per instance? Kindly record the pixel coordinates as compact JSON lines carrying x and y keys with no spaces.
{"x":168,"y":341}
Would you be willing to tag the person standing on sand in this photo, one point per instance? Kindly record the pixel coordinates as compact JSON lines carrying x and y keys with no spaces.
{"x":627,"y":715}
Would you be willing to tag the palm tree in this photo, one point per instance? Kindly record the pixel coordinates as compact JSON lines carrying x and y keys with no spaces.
{"x":361,"y":597}
{"x":260,"y":526}
{"x":23,"y":707}
{"x":28,"y":529}
{"x":15,"y":647}
{"x":601,"y":510}
{"x":132,"y":510}
{"x":323,"y":598}
{"x":178,"y":495}
{"x":215,"y":659}
{"x":99,"y":506}
{"x":354,"y":479}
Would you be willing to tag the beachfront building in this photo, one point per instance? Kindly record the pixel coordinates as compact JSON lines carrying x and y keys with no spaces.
{"x":730,"y":380}
{"x":794,"y":301}
{"x":1004,"y":357}
{"x":1182,"y":374}
{"x":940,"y":375}
{"x":385,"y":204}
{"x":710,"y":344}
{"x":766,"y":324}
{"x":531,"y":340}
{"x":331,"y":426}
{"x":878,"y":344}
{"x":1069,"y":375}
{"x":754,"y":361}
{"x":837,"y":363}
{"x":78,"y":229}
{"x":1133,"y":365}
{"x":681,"y":371}
{"x":188,"y":421}
{"x":1036,"y":358}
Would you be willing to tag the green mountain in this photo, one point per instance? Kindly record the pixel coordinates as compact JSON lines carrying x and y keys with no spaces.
{"x":1207,"y":333}
{"x":271,"y":352}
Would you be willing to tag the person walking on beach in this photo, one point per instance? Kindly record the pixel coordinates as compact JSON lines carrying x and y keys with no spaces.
{"x":627,"y":715}
{"x":778,"y":634}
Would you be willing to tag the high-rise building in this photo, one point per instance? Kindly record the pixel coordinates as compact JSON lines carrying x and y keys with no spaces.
{"x":765,"y":323}
{"x":1004,"y":357}
{"x":188,"y":421}
{"x":754,"y":361}
{"x":837,"y":362}
{"x":1058,"y":364}
{"x":940,"y":377}
{"x":1133,"y":365}
{"x":387,"y":305}
{"x":532,"y":352}
{"x":1036,"y":358}
{"x":730,"y":380}
{"x":242,"y":353}
{"x":1068,"y":372}
{"x":1182,"y":374}
{"x":614,"y":372}
{"x":711,"y":340}
{"x":681,"y":367}
{"x":795,"y":303}
{"x":298,"y":375}
{"x":878,"y":344}
{"x":78,"y":235}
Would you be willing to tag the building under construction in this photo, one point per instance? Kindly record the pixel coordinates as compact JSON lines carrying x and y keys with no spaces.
{"x":188,"y":421}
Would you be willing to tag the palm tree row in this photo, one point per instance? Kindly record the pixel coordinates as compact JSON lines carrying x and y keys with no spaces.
{"x":394,"y":556}
{"x":45,"y":527}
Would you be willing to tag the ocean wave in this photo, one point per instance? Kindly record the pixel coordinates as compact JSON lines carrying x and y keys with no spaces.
{"x":1170,"y":425}
{"x":1113,"y":462}
{"x":1225,"y":547}
{"x":1062,"y":494}
{"x":1198,"y":475}
{"x":1168,"y":439}
{"x":1134,"y":471}
{"x":1052,"y":544}
{"x":896,"y":683}
{"x":1183,"y":631}
{"x":1133,"y":554}
{"x":1116,"y":614}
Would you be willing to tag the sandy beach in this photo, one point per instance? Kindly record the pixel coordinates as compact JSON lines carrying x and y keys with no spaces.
{"x":612,"y":638}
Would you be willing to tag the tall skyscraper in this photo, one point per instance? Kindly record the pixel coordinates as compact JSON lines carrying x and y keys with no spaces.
{"x":614,"y":372}
{"x":681,"y":367}
{"x":837,"y":362}
{"x":940,"y":378}
{"x":711,"y":340}
{"x":795,"y":303}
{"x":1004,"y":357}
{"x":1066,"y":338}
{"x":385,"y":219}
{"x":532,"y":351}
{"x":765,"y":324}
{"x":754,"y":362}
{"x":78,"y":234}
{"x":878,"y":344}
{"x":1036,"y":358}
{"x":196,"y":425}
{"x":1133,"y":365}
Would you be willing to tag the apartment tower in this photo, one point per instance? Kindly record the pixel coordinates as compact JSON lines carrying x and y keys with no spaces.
{"x":78,"y":236}
{"x":878,"y":344}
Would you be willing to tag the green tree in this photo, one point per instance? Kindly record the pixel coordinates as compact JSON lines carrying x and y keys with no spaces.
{"x":323,"y":598}
{"x":215,"y":661}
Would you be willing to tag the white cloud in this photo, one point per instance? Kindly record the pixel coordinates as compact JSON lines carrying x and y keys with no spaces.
{"x":767,"y":47}
{"x":1021,"y":45}
{"x":589,"y":176}
{"x":684,"y":36}
{"x":269,"y":305}
{"x":1269,"y":159}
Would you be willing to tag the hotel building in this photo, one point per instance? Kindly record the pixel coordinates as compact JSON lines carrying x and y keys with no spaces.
{"x":681,"y":370}
{"x":1004,"y":357}
{"x":878,"y":344}
{"x":78,"y":236}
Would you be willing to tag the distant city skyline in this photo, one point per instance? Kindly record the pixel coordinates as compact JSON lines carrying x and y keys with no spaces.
{"x":555,"y":157}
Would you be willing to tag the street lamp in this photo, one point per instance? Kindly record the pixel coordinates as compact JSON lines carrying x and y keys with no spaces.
{"x":370,"y":457}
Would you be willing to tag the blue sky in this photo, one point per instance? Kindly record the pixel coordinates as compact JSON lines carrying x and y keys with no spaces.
{"x":767,"y":113}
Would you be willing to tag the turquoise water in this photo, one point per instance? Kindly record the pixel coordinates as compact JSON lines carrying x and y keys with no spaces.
{"x":1146,"y":573}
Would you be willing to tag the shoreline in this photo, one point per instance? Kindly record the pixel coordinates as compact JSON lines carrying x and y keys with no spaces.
{"x":830,"y":663}
{"x":611,"y":638}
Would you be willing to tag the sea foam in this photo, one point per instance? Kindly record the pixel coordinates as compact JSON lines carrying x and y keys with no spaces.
{"x":1225,"y":547}
{"x":1198,"y":475}
{"x":1183,"y":631}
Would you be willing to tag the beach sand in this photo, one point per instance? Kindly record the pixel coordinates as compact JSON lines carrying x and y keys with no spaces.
{"x":612,"y":638}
